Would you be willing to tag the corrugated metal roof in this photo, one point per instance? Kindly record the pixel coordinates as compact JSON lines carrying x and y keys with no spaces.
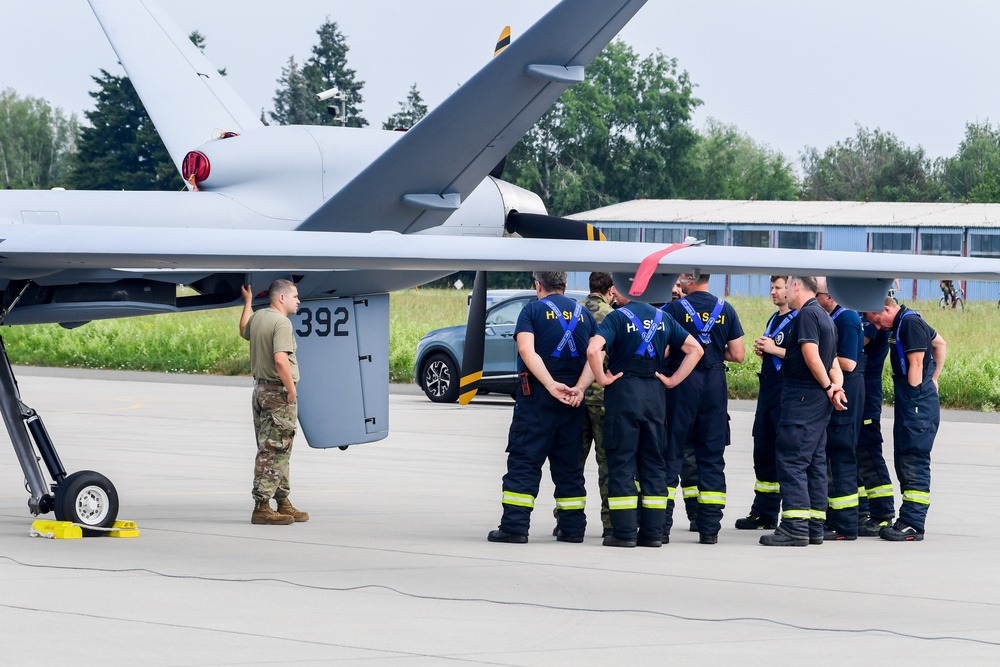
{"x":818,"y":213}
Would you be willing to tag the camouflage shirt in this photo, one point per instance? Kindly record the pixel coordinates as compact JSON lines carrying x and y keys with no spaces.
{"x":599,"y":308}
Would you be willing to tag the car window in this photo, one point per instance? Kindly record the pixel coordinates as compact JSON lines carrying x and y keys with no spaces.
{"x":506,"y":312}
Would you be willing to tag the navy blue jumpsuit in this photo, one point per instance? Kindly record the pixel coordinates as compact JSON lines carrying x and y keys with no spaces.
{"x":634,"y":419}
{"x":543,"y":427}
{"x":916,"y":414}
{"x":805,"y":413}
{"x":874,"y":482}
{"x":697,"y":409}
{"x":842,"y":432}
{"x":767,"y":500}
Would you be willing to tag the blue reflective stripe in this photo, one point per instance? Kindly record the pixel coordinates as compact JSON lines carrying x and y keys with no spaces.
{"x":899,"y":343}
{"x":567,"y":328}
{"x":645,"y":348}
{"x":769,"y":334}
{"x":837,"y":313}
{"x":703,"y":332}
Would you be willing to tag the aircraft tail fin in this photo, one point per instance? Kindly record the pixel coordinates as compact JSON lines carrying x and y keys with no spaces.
{"x":188,"y":100}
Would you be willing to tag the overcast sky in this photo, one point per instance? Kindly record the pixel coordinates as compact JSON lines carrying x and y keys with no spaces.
{"x":788,"y":73}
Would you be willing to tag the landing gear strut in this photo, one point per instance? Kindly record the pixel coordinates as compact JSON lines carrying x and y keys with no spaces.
{"x":86,"y":497}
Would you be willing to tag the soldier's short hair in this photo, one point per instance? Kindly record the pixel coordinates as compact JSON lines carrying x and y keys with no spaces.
{"x":774,"y":278}
{"x":552,"y":281}
{"x":278,"y":287}
{"x":809,"y":282}
{"x":702,"y":279}
{"x":600,"y":282}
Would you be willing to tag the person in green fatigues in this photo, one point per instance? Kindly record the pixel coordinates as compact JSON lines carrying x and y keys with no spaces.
{"x":275,"y":405}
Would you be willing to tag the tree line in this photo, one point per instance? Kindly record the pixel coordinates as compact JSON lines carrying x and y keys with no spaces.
{"x":624,"y":133}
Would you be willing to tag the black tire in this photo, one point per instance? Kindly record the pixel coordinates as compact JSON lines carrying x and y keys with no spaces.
{"x":959,"y":303}
{"x":87,"y":498}
{"x":440,"y":378}
{"x":943,"y":303}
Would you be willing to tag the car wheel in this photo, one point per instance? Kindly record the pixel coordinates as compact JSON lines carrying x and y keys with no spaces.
{"x":441,"y":379}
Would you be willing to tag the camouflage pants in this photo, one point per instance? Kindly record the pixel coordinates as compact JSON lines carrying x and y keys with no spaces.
{"x":274,"y":421}
{"x":593,"y":432}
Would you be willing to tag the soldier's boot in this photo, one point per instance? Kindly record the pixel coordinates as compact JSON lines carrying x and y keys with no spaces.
{"x":285,"y":508}
{"x":264,"y":515}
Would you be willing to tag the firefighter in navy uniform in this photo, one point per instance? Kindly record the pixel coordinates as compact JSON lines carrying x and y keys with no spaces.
{"x":635,"y":339}
{"x":917,"y":354}
{"x":811,"y":390}
{"x":876,"y":508}
{"x":771,"y":349}
{"x":842,"y":433}
{"x":552,"y":336}
{"x":698,"y":411}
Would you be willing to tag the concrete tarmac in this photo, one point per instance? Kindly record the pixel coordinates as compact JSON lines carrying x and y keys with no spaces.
{"x":394,"y":568}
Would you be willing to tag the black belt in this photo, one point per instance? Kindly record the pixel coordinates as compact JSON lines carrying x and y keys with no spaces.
{"x":268,"y":383}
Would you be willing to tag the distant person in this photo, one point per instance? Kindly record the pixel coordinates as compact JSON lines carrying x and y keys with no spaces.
{"x":634,"y":339}
{"x":842,"y":432}
{"x":552,"y":334}
{"x":697,"y":412}
{"x":917,"y":355}
{"x":810,"y":392}
{"x":948,"y":290}
{"x":770,"y":347}
{"x":275,"y":399}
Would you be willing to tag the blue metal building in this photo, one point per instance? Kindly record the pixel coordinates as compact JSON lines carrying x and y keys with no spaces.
{"x":969,"y":230}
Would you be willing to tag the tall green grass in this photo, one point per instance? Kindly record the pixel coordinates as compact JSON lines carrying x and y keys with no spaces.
{"x":208,"y":342}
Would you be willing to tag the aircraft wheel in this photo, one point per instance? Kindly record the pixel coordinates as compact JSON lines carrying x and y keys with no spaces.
{"x":441,"y":379}
{"x":87,"y":498}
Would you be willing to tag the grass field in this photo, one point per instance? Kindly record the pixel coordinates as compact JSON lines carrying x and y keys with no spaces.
{"x":208,"y":342}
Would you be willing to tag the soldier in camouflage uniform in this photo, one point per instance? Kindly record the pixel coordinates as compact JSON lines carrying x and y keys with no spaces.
{"x":275,"y":406}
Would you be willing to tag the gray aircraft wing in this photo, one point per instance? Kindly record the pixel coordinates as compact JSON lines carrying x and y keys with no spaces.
{"x":27,"y":250}
{"x":160,"y":59}
{"x":427,"y":173}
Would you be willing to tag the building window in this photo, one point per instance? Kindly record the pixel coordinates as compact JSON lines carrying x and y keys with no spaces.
{"x":945,"y":243}
{"x":891,"y":241}
{"x":984,"y":245}
{"x":662,"y":236}
{"x":752,"y":238}
{"x":622,"y":233}
{"x":798,"y":240}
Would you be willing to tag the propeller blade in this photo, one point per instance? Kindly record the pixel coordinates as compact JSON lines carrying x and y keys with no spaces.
{"x":475,"y":340}
{"x":535,"y":226}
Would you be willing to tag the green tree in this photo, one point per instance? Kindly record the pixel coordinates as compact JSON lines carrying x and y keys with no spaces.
{"x":872,"y":165}
{"x":973,"y":171}
{"x":728,"y":164}
{"x":121,"y":149}
{"x":623,"y":133}
{"x":410,"y":111}
{"x":36,"y":142}
{"x":292,"y":100}
{"x":326,"y":68}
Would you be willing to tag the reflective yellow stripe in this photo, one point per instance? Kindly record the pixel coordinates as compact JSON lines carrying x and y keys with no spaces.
{"x":690,"y":492}
{"x":470,"y":378}
{"x":796,"y":514}
{"x":654,"y":502}
{"x":867,"y":422}
{"x":638,"y":489}
{"x":571,"y":503}
{"x":843,"y":502}
{"x":884,"y":491}
{"x":862,"y":492}
{"x":766,"y":487}
{"x":623,"y":503}
{"x":712,"y":498}
{"x":518,"y":499}
{"x":817,"y":514}
{"x":922,"y":497}
{"x":671,"y":492}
